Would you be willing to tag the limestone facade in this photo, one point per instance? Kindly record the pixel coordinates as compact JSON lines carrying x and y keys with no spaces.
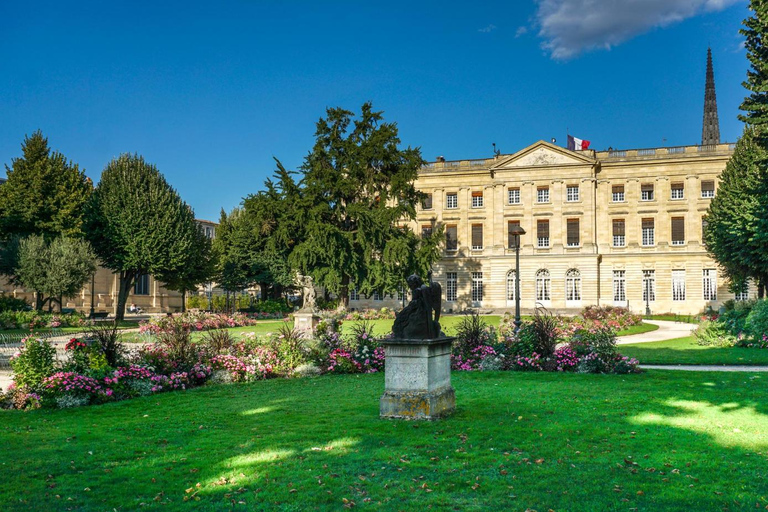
{"x":603,"y":228}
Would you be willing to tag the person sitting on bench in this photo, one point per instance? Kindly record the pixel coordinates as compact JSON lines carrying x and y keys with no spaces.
{"x":134,"y":309}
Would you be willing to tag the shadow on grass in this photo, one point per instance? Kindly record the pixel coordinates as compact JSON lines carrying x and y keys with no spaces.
{"x":660,"y":440}
{"x":686,"y":351}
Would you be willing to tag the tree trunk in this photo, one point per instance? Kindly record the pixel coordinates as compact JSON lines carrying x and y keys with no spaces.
{"x":264,"y":287}
{"x":124,"y":288}
{"x":344,"y":292}
{"x":183,"y":301}
{"x":39,"y":301}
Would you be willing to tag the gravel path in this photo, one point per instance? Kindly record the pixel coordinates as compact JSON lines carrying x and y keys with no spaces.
{"x":704,"y":368}
{"x":667,"y":331}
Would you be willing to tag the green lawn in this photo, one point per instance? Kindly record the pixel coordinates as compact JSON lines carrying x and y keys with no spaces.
{"x":686,"y":351}
{"x":657,"y":441}
{"x":674,"y":317}
{"x":125,"y":324}
{"x":448,"y":324}
{"x":637,"y":329}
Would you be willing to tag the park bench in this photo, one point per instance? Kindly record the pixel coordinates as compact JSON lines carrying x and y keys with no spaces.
{"x":67,"y":311}
{"x":99,"y":315}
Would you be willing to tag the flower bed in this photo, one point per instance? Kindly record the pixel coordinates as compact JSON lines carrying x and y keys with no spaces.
{"x":201,"y":321}
{"x":38,"y":320}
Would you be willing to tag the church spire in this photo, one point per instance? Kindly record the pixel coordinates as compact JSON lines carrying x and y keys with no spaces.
{"x":710,"y":133}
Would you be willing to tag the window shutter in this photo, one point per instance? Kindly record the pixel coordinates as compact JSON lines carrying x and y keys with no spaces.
{"x":477,"y":235}
{"x":573,"y":231}
{"x":451,"y":242}
{"x":542,"y":228}
{"x":708,"y":186}
{"x":617,"y":189}
{"x":648,"y":187}
{"x":647,"y":223}
{"x":618,"y":227}
{"x":678,"y":229}
{"x":510,"y":236}
{"x":427,"y":205}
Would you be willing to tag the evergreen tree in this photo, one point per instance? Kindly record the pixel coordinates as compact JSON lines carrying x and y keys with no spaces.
{"x":734,"y":215}
{"x":45,"y":194}
{"x":54,"y":269}
{"x":755,"y":106}
{"x":138,"y":224}
{"x":357,"y":197}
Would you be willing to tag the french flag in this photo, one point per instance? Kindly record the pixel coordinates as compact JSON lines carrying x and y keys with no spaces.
{"x":575,"y":144}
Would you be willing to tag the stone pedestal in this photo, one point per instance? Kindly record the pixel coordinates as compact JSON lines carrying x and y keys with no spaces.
{"x":305,"y":322}
{"x":417,"y":379}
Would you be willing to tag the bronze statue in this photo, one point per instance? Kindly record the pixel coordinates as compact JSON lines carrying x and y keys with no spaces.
{"x":420,"y":319}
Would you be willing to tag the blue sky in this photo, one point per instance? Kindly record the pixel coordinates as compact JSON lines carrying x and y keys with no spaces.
{"x":210,"y":92}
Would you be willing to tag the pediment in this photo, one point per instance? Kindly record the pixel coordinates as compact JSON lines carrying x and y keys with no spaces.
{"x":542,"y":154}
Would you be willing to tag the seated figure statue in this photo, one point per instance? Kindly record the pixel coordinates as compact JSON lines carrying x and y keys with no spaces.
{"x":420,"y":318}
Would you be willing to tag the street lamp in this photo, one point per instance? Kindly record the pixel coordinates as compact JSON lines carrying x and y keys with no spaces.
{"x":648,"y":297}
{"x":517,"y":231}
{"x":93,"y":293}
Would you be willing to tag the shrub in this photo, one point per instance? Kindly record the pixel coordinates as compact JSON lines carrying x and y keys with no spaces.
{"x":83,"y":355}
{"x":307,"y":370}
{"x":197,"y":302}
{"x":600,"y":341}
{"x":107,"y":338}
{"x":756,"y":324}
{"x":713,"y":334}
{"x":8,"y":303}
{"x":74,"y":385}
{"x":215,"y":342}
{"x":176,"y":339}
{"x":734,"y":317}
{"x":33,"y":363}
{"x":289,"y":348}
{"x":544,"y":328}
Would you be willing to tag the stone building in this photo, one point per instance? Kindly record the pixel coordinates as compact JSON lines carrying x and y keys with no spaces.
{"x":615,"y":227}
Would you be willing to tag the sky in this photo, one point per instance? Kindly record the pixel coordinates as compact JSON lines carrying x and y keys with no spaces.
{"x":213,"y":92}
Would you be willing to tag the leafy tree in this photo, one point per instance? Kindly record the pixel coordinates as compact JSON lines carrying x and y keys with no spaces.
{"x":138,"y":224}
{"x":755,"y":106}
{"x":54,"y":269}
{"x":45,"y":194}
{"x":200,"y":268}
{"x":357,"y":196}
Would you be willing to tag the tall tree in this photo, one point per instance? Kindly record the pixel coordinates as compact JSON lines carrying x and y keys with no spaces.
{"x":54,"y":269}
{"x":45,"y":194}
{"x":199,"y":269}
{"x":734,"y":215}
{"x":755,"y":106}
{"x":357,"y":195}
{"x":138,"y":224}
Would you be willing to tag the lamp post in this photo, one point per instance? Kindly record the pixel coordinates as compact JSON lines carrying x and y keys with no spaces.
{"x":648,"y":297}
{"x":517,"y":231}
{"x":93,"y":292}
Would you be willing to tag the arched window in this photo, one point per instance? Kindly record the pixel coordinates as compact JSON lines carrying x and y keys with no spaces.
{"x":511,"y":285}
{"x":543,"y":285}
{"x":573,"y":285}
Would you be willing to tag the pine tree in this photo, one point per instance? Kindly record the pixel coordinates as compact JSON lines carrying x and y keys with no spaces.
{"x":755,"y":105}
{"x":357,"y":197}
{"x":735,"y":215}
{"x":45,"y":194}
{"x":138,"y":224}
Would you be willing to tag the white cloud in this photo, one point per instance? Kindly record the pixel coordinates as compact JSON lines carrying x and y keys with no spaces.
{"x":570,"y":27}
{"x":521,"y":31}
{"x":487,"y":29}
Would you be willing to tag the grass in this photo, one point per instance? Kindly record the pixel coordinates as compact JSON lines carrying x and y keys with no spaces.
{"x":637,"y":329}
{"x":686,"y":351}
{"x":448,"y":324}
{"x":674,"y":317}
{"x":125,"y":324}
{"x":661,"y":440}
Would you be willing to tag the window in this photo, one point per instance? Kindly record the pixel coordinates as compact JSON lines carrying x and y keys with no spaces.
{"x":354,"y":294}
{"x":477,"y":237}
{"x":572,"y":193}
{"x":542,"y":195}
{"x":572,"y":232}
{"x":511,"y":278}
{"x":648,"y":232}
{"x":742,"y":291}
{"x":649,"y":285}
{"x":678,"y":231}
{"x":619,"y":286}
{"x":208,"y":232}
{"x":617,"y":193}
{"x":678,"y":285}
{"x":451,"y":285}
{"x":377,"y":295}
{"x":477,"y":286}
{"x":451,"y":241}
{"x":573,"y":285}
{"x":451,"y":200}
{"x":704,"y":225}
{"x":543,"y":285}
{"x":426,"y":230}
{"x":709,"y":283}
{"x":646,"y":192}
{"x":141,"y":286}
{"x":426,"y":203}
{"x":477,"y":199}
{"x":619,"y":240}
{"x":542,"y":233}
{"x":510,"y":237}
{"x":513,"y":196}
{"x":708,"y":189}
{"x":678,"y":191}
